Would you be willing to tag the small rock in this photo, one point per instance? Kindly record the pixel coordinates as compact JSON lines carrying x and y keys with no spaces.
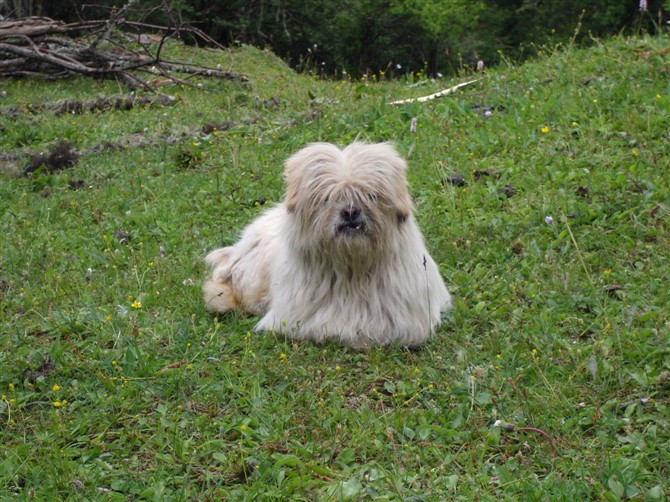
{"x":508,"y":191}
{"x":122,"y":236}
{"x":456,"y":179}
{"x":75,"y":184}
{"x":612,"y":289}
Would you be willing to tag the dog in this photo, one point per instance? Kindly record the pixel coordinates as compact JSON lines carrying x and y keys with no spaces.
{"x":341,"y":258}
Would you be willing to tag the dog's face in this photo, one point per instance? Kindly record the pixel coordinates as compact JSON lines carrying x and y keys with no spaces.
{"x":351,"y":197}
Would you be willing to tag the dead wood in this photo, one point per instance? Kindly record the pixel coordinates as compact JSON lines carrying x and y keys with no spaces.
{"x":50,"y":49}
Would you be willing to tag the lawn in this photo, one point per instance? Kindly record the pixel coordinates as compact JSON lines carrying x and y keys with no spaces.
{"x":543,"y":191}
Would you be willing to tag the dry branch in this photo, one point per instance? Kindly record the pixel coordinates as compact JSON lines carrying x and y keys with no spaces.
{"x":436,"y":95}
{"x":37,"y":26}
{"x":42,"y":47}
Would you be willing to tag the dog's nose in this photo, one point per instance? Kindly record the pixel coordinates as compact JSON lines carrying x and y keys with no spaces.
{"x":350,"y":215}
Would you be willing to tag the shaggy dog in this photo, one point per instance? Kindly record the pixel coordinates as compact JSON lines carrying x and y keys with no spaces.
{"x":341,"y":258}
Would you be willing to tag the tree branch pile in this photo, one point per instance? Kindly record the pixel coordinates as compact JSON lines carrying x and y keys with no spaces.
{"x":43,"y":47}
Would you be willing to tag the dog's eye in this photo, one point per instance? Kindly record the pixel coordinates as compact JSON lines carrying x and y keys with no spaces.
{"x":372,"y":197}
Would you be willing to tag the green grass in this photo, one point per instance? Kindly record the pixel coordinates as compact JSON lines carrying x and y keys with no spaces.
{"x":560,"y":332}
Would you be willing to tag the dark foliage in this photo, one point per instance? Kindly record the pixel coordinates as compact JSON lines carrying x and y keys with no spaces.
{"x":394,"y":36}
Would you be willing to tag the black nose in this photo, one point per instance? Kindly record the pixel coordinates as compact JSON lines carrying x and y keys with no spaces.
{"x":350,"y":215}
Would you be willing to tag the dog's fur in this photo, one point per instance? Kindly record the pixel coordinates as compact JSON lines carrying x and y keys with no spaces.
{"x":341,"y":258}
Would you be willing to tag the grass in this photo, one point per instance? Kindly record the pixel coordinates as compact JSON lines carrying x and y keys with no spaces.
{"x":550,"y":380}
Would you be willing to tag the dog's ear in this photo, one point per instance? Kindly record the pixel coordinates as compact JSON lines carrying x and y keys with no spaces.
{"x":404,"y":207}
{"x":397,"y":169}
{"x":290,"y":199}
{"x":292,"y":183}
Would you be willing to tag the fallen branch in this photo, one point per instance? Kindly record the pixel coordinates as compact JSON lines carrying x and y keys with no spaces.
{"x":38,"y":26}
{"x":436,"y":95}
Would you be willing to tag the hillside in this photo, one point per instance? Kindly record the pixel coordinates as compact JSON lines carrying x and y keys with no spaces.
{"x":543,"y":191}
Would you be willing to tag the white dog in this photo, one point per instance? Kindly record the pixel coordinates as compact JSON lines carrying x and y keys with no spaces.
{"x":341,"y":258}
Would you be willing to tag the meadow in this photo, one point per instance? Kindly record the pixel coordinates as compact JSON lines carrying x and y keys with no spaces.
{"x":543,"y":191}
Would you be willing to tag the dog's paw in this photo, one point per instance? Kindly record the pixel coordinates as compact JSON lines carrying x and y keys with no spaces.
{"x":219,"y":297}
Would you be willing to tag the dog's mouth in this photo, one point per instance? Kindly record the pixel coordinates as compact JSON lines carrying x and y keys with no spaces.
{"x":351,"y":228}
